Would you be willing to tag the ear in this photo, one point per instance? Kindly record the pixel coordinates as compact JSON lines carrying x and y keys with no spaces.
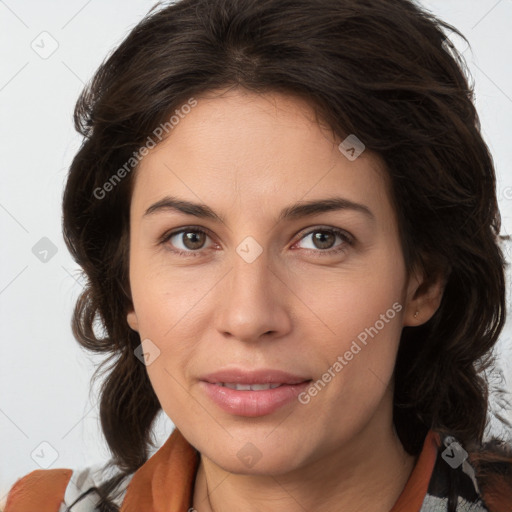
{"x":424,"y":295}
{"x":132,"y":320}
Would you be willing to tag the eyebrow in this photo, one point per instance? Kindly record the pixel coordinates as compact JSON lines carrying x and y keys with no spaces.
{"x":294,"y":211}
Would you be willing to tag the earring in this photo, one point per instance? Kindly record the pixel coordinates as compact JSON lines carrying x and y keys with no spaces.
{"x":416,"y":314}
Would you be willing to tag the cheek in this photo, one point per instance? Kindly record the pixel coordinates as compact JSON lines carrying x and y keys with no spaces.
{"x":164,"y":297}
{"x":358,"y":333}
{"x":360,"y":355}
{"x":348,"y":305}
{"x":161,"y":304}
{"x":354,"y":359}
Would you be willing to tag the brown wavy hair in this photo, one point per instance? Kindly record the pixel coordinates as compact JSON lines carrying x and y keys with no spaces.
{"x":381,"y":69}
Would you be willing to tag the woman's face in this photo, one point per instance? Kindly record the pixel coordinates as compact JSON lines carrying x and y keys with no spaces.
{"x":321,"y":294}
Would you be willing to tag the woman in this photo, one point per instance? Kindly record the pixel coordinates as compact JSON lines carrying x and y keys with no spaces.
{"x":288,"y":219}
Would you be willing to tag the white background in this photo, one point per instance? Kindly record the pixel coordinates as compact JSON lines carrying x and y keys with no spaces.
{"x":44,"y":375}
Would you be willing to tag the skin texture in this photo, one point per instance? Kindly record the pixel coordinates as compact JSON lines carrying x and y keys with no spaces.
{"x":295,"y":307}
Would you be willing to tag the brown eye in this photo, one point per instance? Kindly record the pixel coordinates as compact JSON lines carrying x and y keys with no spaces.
{"x":188,"y":240}
{"x":193,"y":239}
{"x":323,"y":240}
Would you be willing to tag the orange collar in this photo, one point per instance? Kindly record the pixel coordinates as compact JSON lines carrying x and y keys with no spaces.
{"x":165,"y":483}
{"x":411,"y":498}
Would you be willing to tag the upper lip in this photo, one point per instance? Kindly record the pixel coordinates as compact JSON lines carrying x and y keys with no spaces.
{"x":260,"y":376}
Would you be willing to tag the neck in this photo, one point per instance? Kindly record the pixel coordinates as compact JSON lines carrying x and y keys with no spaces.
{"x":369,"y":474}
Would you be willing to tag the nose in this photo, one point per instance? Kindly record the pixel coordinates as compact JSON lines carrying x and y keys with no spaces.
{"x":254,"y":301}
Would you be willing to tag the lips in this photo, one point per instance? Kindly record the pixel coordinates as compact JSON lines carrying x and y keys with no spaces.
{"x":253,"y":392}
{"x":254,"y":377}
{"x":253,"y":403}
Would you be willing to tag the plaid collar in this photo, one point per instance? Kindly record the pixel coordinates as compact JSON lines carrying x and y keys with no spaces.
{"x":453,"y":486}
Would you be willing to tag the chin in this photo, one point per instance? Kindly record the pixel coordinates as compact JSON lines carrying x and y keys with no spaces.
{"x":266,"y":465}
{"x":259,"y":457}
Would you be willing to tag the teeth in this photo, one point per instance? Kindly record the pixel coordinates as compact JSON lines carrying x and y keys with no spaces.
{"x":248,"y":387}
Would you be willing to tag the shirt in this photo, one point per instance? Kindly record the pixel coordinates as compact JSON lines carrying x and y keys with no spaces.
{"x":165,"y":483}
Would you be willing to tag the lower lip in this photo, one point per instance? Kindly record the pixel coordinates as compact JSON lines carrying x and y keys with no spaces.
{"x":253,"y":403}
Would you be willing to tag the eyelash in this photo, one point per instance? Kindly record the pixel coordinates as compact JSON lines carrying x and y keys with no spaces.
{"x":347,"y":239}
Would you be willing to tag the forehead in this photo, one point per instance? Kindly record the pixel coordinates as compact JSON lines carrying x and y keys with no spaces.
{"x":252,"y":150}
